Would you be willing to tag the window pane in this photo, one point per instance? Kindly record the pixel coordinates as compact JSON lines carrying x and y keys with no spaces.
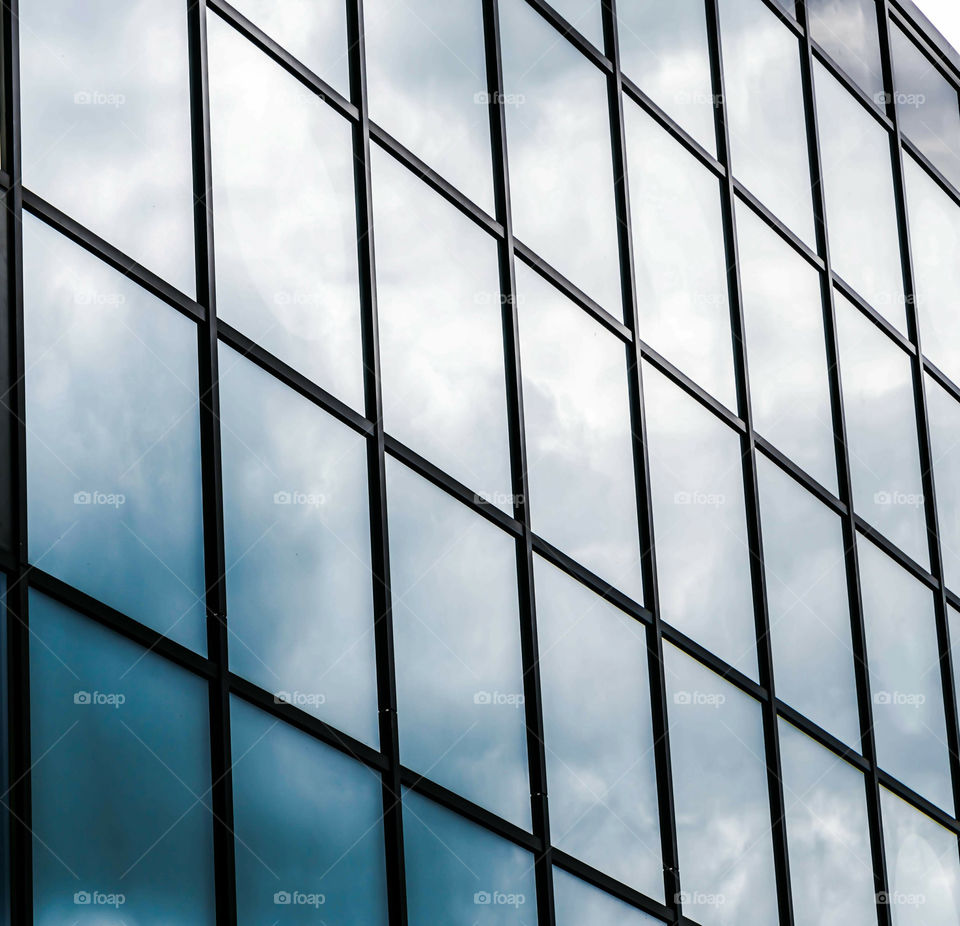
{"x":923,"y":871}
{"x":858,"y":188}
{"x":700,"y":526}
{"x":683,"y":304}
{"x":598,"y":737}
{"x":935,"y":236}
{"x":313,"y":31}
{"x":428,"y":86}
{"x":664,"y":49}
{"x":831,"y":868}
{"x":881,"y":431}
{"x":441,"y":332}
{"x":560,"y":160}
{"x":902,"y":653}
{"x":285,"y":216}
{"x":458,"y":872}
{"x":848,"y":30}
{"x":578,"y":903}
{"x":720,"y":790}
{"x":578,"y":432}
{"x":457,"y":629}
{"x":297,"y":538}
{"x":944,"y":418}
{"x":809,"y":612}
{"x":113,"y":446}
{"x":783,"y":316}
{"x":121,"y":780}
{"x":308,"y":828}
{"x":106,"y":124}
{"x":765,"y":111}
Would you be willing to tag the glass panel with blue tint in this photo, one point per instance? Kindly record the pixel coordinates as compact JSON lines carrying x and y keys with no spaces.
{"x":427,"y":85}
{"x":860,"y":206}
{"x":765,"y":111}
{"x":807,"y":603}
{"x":460,"y":873}
{"x":286,"y":235}
{"x":683,"y":302}
{"x":560,"y":161}
{"x":113,"y":444}
{"x":943,"y":412}
{"x":783,"y":318}
{"x":665,"y":51}
{"x":904,"y":663}
{"x":122,"y":822}
{"x":923,"y":870}
{"x":106,"y":124}
{"x":828,"y":835}
{"x":848,"y":30}
{"x":308,"y":828}
{"x":720,"y":791}
{"x":578,"y":903}
{"x":881,"y":431}
{"x":598,"y":732}
{"x":297,"y":544}
{"x":457,"y":629}
{"x":700,"y":526}
{"x":441,"y":332}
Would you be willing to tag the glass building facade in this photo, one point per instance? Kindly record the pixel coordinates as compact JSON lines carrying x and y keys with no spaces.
{"x":479,"y":462}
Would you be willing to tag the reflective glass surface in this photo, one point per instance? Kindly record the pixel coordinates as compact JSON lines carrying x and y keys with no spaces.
{"x":720,"y":792}
{"x":858,"y":189}
{"x":457,"y":637}
{"x":683,"y":304}
{"x":585,"y":16}
{"x":848,"y":30}
{"x":106,"y":124}
{"x":427,"y":86}
{"x":578,"y":434}
{"x":944,"y":419}
{"x":578,"y":902}
{"x":120,"y":779}
{"x":283,"y":196}
{"x":699,"y":522}
{"x":783,"y":319}
{"x":297,"y":544}
{"x":308,"y":829}
{"x":598,"y":737}
{"x":765,"y":111}
{"x":458,"y":872}
{"x":441,"y":332}
{"x":561,"y":178}
{"x":902,"y":655}
{"x":113,"y":445}
{"x":803,"y":558}
{"x":828,"y":837}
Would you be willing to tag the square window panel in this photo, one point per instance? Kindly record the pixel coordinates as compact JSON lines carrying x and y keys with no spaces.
{"x":297,"y":543}
{"x":561,"y":172}
{"x":285,"y":216}
{"x":578,"y":431}
{"x":943,"y":412}
{"x":113,"y":441}
{"x":578,"y":903}
{"x":700,"y":527}
{"x":848,"y":30}
{"x":120,"y":781}
{"x":599,"y":738}
{"x":106,"y":124}
{"x":457,"y":631}
{"x":308,"y":828}
{"x":441,"y":332}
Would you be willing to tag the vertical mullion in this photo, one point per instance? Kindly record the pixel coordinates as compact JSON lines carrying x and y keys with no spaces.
{"x":845,"y":483}
{"x":376,"y":471}
{"x":536,"y":750}
{"x":212,"y":481}
{"x":751,"y":490}
{"x":658,"y":688}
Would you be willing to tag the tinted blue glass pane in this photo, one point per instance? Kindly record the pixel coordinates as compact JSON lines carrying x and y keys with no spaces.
{"x":121,"y":781}
{"x":297,"y":535}
{"x":461,"y":874}
{"x":579,"y":903}
{"x":113,"y":445}
{"x":457,"y":633}
{"x":308,"y":828}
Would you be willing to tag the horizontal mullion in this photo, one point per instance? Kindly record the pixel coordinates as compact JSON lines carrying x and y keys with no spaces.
{"x":940,"y":377}
{"x":896,"y":554}
{"x":823,"y":737}
{"x":935,"y":174}
{"x":799,"y":475}
{"x":863,"y":98}
{"x":918,"y":801}
{"x":881,"y":322}
{"x":573,"y":35}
